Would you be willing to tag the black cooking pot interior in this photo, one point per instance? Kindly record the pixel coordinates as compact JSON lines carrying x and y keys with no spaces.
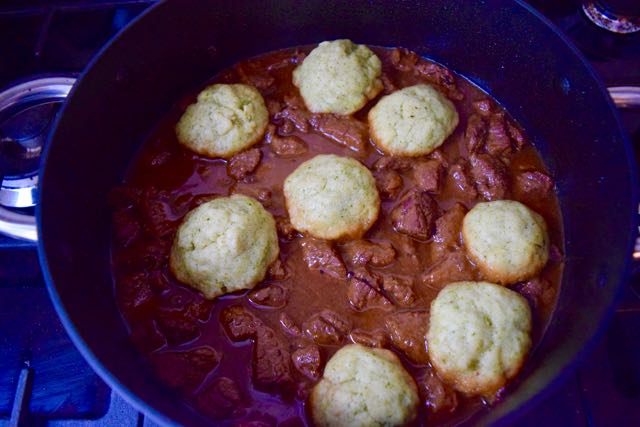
{"x":501,"y":45}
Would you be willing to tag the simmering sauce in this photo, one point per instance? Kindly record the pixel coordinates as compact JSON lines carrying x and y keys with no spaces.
{"x":182,"y":334}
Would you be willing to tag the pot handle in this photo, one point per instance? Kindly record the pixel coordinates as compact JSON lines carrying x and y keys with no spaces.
{"x":627,"y":97}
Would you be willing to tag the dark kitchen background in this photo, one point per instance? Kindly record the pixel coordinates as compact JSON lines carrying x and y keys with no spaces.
{"x":43,"y":378}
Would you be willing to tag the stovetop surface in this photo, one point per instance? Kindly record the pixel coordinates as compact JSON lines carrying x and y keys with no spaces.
{"x":42,"y":373}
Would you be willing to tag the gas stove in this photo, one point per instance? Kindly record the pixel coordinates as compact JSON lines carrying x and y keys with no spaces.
{"x":44,"y":380}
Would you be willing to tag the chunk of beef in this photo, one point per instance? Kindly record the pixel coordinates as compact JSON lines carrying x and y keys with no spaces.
{"x":376,"y":339}
{"x":185,"y":369}
{"x":284,"y":146}
{"x":440,"y":76}
{"x":344,"y":130}
{"x":154,"y":206}
{"x":363,"y":295}
{"x":278,"y":270}
{"x":159,"y":282}
{"x":408,"y":333}
{"x":388,"y":182}
{"x":289,"y":326}
{"x":251,"y":75}
{"x":176,"y":326}
{"x":516,"y":135}
{"x":437,"y":396}
{"x":447,"y":236}
{"x":126,"y":227}
{"x":244,"y":163}
{"x":377,"y":254}
{"x":199,"y":309}
{"x":308,"y":362}
{"x":414,"y":215}
{"x":134,"y":291}
{"x":221,"y":398}
{"x":271,"y":360}
{"x":490,"y":176}
{"x":403,"y":59}
{"x":263,"y":195}
{"x":475,"y":134}
{"x":320,"y":255}
{"x":537,"y":291}
{"x":273,"y":107}
{"x":239,"y":323}
{"x":399,"y":290}
{"x":285,"y":229}
{"x":530,"y":185}
{"x":459,"y":173}
{"x":483,"y":107}
{"x":295,"y":113}
{"x":398,"y":164}
{"x":387,"y":84}
{"x":498,"y":142}
{"x":326,"y":327}
{"x":274,"y":296}
{"x":453,"y":267}
{"x":428,"y":175}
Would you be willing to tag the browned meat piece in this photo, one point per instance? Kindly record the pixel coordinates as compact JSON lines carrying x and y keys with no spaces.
{"x":293,"y":100}
{"x":462,"y":180}
{"x":532,"y":185}
{"x":388,"y":182}
{"x":516,"y":135}
{"x":364,"y":295}
{"x":428,"y":175}
{"x":454,"y":267}
{"x":448,"y":226}
{"x":273,"y":107}
{"x":220,"y":399}
{"x":254,"y":76}
{"x":262,"y":195}
{"x":295,"y":112}
{"x":185,"y":370}
{"x":274,"y":296}
{"x":399,"y":290}
{"x":285,"y":229}
{"x":475,"y":134}
{"x":126,"y":227}
{"x":482,"y":107}
{"x":403,"y":59}
{"x":438,"y":397}
{"x":284,"y":146}
{"x":271,"y":360}
{"x":414,"y":215}
{"x":490,"y":176}
{"x":344,"y":130}
{"x":239,"y":323}
{"x":135,"y":291}
{"x":158,"y":282}
{"x":155,"y":208}
{"x":200,"y":309}
{"x":498,"y":142}
{"x":398,"y":164}
{"x":388,"y":84}
{"x":377,"y":339}
{"x":289,"y":326}
{"x":176,"y":326}
{"x":244,"y":163}
{"x":364,"y":252}
{"x":537,"y":291}
{"x":278,"y":270}
{"x":439,"y":75}
{"x":408,"y":333}
{"x":320,"y":255}
{"x":326,"y":327}
{"x":308,"y":362}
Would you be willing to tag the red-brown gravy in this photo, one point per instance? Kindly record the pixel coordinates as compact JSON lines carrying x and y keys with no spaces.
{"x":165,"y":181}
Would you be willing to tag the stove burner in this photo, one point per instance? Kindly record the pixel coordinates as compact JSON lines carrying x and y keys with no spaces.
{"x":609,"y":20}
{"x":26,"y":113}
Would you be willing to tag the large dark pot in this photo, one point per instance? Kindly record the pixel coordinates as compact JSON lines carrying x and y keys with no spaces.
{"x":503,"y":46}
